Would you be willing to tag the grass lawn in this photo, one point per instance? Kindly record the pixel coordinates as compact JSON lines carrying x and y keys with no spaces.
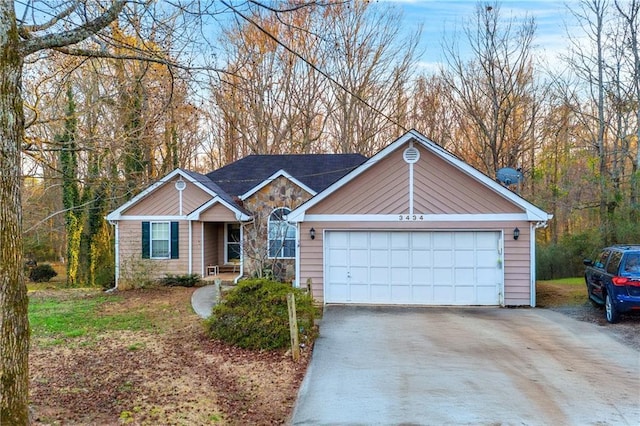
{"x":74,"y":313}
{"x":561,"y":292}
{"x":143,"y":357}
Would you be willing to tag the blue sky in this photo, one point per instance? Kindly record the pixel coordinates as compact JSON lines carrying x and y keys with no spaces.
{"x":441,"y":17}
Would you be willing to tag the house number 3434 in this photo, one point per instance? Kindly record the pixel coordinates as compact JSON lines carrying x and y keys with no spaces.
{"x":410,"y":217}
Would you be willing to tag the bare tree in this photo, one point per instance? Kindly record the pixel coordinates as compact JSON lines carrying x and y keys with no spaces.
{"x":493,"y":93}
{"x":630,"y":17}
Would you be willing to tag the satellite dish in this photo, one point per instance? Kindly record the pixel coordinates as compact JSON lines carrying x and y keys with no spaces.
{"x":508,"y":176}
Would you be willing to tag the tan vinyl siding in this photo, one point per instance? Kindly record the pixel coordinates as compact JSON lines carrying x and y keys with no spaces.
{"x":133,"y":266}
{"x":517,"y":275}
{"x":383,"y":189}
{"x":441,"y":188}
{"x":165,"y":201}
{"x":438,"y":188}
{"x":218,"y":212}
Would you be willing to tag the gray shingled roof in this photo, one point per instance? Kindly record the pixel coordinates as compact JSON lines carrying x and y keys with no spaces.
{"x":317,"y":171}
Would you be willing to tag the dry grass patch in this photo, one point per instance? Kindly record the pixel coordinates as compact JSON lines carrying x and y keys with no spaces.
{"x":165,"y":371}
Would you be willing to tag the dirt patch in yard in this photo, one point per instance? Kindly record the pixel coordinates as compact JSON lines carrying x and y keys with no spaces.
{"x":168,"y":373}
{"x":572,"y":301}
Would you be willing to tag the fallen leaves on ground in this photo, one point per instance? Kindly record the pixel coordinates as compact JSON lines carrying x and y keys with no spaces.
{"x":173,"y":374}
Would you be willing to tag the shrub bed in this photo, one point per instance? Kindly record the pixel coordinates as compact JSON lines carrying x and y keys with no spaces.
{"x":254,"y":315}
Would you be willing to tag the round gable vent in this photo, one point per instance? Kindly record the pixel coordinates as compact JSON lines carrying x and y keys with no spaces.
{"x":411,"y":155}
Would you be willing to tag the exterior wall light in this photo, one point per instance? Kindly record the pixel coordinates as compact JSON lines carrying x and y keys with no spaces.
{"x":312,"y":233}
{"x":516,"y":233}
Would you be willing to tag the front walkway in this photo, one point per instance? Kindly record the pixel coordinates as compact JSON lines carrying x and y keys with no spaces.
{"x":203,"y":300}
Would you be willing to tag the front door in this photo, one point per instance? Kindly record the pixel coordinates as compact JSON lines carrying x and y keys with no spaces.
{"x":232,"y":249}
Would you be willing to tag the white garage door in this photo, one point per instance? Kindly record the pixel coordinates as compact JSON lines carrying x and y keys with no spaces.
{"x":419,"y":268}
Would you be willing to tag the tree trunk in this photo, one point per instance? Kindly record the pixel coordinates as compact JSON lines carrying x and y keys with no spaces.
{"x":14,"y":323}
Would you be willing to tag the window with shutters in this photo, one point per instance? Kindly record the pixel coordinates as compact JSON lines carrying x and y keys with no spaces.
{"x":160,"y":238}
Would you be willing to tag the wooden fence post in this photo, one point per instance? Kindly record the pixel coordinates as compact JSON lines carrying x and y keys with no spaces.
{"x":293,"y":327}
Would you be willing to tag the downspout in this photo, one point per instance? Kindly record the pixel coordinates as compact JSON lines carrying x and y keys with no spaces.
{"x":532,"y":241}
{"x":202,"y":245}
{"x":117,"y":256}
{"x":297,"y":268}
{"x":190,"y":246}
{"x":532,"y":254}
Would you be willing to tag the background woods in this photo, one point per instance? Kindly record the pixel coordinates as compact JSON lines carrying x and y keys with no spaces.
{"x":337,"y":78}
{"x":100,"y":99}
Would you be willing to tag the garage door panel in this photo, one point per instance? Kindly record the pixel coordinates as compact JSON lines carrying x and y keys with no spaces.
{"x":380,"y":293}
{"x":486,"y":258}
{"x":418,"y":267}
{"x":442,"y":240}
{"x":380,"y":258}
{"x":443,"y":258}
{"x":400,"y":257}
{"x":359,"y":240}
{"x":422,"y":294}
{"x":338,"y":257}
{"x":464,"y":240}
{"x":379,"y":275}
{"x":359,"y":257}
{"x":401,"y":293}
{"x":360,"y":293}
{"x":421,"y":276}
{"x":359,"y":274}
{"x":338,"y":293}
{"x":464,"y":276}
{"x":443,"y":276}
{"x":400,"y":240}
{"x":444,"y":295}
{"x":464,"y":258}
{"x":487,"y":277}
{"x":400,"y":275}
{"x":421,"y":240}
{"x":379,"y":240}
{"x":420,"y":257}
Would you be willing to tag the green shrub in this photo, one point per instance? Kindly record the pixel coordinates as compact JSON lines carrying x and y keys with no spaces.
{"x":188,"y":280}
{"x":564,"y":259}
{"x":42,"y":273}
{"x":254,"y":315}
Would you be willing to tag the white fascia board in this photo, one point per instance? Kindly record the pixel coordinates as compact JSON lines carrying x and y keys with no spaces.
{"x":267,"y":181}
{"x":152,"y":218}
{"x":117,"y":213}
{"x":416,"y":217}
{"x":195,"y":215}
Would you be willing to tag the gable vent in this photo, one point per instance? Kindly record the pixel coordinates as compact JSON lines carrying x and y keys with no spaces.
{"x":411,"y":155}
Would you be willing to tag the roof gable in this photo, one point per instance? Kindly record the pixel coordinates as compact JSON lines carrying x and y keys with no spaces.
{"x":216,"y":194}
{"x":533,"y":213}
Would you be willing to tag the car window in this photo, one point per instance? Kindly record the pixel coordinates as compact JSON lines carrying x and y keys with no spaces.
{"x":614,"y":262}
{"x":632,"y":262}
{"x":602,"y":259}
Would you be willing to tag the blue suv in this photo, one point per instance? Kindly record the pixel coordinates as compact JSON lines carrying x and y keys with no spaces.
{"x":613,"y":280}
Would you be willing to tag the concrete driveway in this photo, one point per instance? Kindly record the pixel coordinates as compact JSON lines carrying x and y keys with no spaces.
{"x":452,"y":366}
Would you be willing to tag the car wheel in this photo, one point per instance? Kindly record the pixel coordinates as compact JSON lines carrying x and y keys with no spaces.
{"x":610,"y":311}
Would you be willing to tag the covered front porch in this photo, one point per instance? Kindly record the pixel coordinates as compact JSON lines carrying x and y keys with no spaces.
{"x":219,"y":250}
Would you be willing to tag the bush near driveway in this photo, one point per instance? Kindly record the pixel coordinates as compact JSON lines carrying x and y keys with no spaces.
{"x":254,"y":315}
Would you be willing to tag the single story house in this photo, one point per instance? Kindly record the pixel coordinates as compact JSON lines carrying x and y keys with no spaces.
{"x":411,"y":225}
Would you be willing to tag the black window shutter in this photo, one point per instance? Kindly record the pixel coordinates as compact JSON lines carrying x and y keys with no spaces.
{"x":174,"y":240}
{"x":146,"y":240}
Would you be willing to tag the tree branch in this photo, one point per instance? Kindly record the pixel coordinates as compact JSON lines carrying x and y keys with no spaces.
{"x":76,"y":35}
